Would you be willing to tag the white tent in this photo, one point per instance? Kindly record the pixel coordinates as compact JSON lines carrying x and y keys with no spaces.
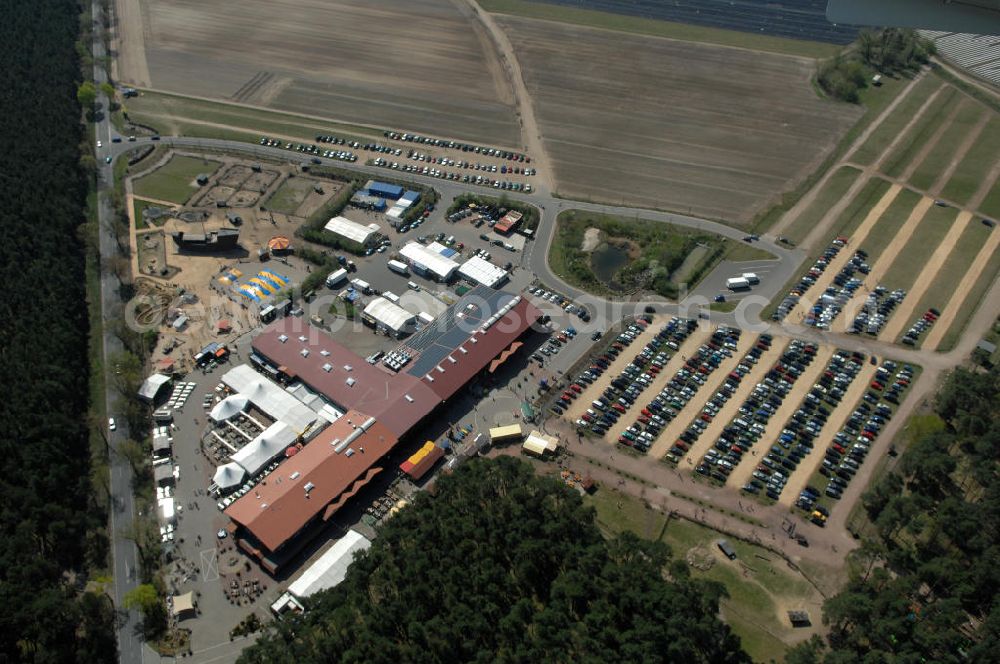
{"x":266,"y":447}
{"x":229,"y":407}
{"x":151,"y":386}
{"x":266,"y":395}
{"x":229,"y":476}
{"x":331,"y":568}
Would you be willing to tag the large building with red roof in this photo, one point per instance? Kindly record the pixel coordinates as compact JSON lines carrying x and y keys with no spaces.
{"x":383,"y":403}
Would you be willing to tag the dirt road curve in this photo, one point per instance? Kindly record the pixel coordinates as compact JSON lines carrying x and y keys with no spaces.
{"x":531,"y":134}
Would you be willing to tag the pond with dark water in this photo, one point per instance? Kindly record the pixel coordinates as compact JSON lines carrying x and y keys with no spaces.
{"x":605,"y":261}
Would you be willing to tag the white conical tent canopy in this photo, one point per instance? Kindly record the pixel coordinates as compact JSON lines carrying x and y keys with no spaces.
{"x":229,"y":407}
{"x":229,"y":475}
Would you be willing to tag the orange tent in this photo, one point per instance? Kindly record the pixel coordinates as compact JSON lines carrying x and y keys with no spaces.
{"x":279,"y":243}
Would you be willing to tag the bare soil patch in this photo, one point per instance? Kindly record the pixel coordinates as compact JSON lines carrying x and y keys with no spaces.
{"x":421,"y":65}
{"x":591,"y":238}
{"x":698,"y":128}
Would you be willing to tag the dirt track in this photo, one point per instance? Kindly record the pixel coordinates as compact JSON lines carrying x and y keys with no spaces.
{"x":130,"y":43}
{"x":889,"y":255}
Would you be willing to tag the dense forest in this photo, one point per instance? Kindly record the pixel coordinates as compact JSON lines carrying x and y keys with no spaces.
{"x":926,"y":588}
{"x":503,"y":566}
{"x":49,"y":533}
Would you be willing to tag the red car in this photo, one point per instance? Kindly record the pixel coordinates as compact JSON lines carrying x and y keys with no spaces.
{"x":617,"y":406}
{"x":876,"y":385}
{"x":576,"y":388}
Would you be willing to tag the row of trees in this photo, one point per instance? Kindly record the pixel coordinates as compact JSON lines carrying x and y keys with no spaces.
{"x":504,"y":566}
{"x":51,"y":529}
{"x":926,"y":588}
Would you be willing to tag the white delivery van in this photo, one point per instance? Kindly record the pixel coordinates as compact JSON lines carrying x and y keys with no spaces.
{"x":412,"y":286}
{"x":737,"y":283}
{"x":392,"y":297}
{"x":336,"y":277}
{"x":751,"y":278}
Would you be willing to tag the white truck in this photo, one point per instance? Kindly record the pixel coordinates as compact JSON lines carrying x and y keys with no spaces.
{"x":399,"y":267}
{"x":751,"y":278}
{"x":362,"y":286}
{"x":392,"y":297}
{"x":336,"y":277}
{"x":737,"y":283}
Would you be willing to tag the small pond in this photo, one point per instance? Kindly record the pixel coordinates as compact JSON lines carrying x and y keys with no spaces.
{"x":605,"y":261}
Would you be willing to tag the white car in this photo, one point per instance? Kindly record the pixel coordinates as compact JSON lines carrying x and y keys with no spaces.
{"x":111,"y":424}
{"x":99,"y":144}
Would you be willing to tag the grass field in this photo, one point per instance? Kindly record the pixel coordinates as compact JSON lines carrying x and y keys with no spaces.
{"x":657,"y":253}
{"x":656,"y":28}
{"x":742,"y":251}
{"x":832,"y":192}
{"x":925,"y":239}
{"x":759,"y":583}
{"x":991,"y":204}
{"x":715,"y":132}
{"x":883,"y":136}
{"x":953,"y":269}
{"x":290,"y":195}
{"x":889,"y":224}
{"x":939,"y":158}
{"x":965,"y":181}
{"x":971,"y":303}
{"x":174,"y":181}
{"x":932,"y":119}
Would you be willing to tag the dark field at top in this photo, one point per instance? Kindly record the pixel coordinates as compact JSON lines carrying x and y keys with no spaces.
{"x":796,"y":19}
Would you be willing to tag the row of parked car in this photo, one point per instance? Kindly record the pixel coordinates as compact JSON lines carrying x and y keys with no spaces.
{"x":879,"y":305}
{"x":503,"y":169}
{"x":920,"y":326}
{"x":685,"y":383}
{"x":833,"y":299}
{"x":565,"y":303}
{"x":468,"y":178}
{"x":553,"y":346}
{"x":809,"y":279}
{"x":454,"y":145}
{"x":851,"y":444}
{"x":315,"y":150}
{"x":727,"y":389}
{"x":750,"y":422}
{"x":600,"y":416}
{"x":801,"y":430}
{"x":639,"y":375}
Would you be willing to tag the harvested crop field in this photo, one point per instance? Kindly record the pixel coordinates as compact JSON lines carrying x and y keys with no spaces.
{"x":421,"y":65}
{"x":697,"y":128}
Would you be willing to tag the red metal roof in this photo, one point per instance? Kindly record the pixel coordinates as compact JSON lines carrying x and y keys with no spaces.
{"x":279,"y":506}
{"x":345,"y":378}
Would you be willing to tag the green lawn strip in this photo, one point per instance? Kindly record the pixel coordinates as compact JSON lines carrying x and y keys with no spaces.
{"x":174,"y":181}
{"x":849,"y":219}
{"x":262,"y":120}
{"x":922,"y":243}
{"x":826,"y":198}
{"x":952,"y":270}
{"x":889,"y":224}
{"x":618,"y":512}
{"x":760,"y":645}
{"x":917,"y":137}
{"x":883,"y":136}
{"x":939,"y":158}
{"x":99,"y":469}
{"x":289,"y":196}
{"x":194,"y":129}
{"x":657,"y":28}
{"x":971,"y":302}
{"x":138,"y":205}
{"x":978,"y":161}
{"x":874,"y":100}
{"x":991,"y":204}
{"x":741,"y":251}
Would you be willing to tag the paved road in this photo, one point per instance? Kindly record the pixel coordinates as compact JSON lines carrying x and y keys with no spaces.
{"x":124,"y":553}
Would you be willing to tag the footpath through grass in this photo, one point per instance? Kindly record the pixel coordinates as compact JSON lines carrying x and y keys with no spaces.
{"x":889,"y":224}
{"x":175,"y":180}
{"x":890,"y":128}
{"x":971,"y":302}
{"x":658,"y":28}
{"x":915,"y":139}
{"x":926,"y":237}
{"x":939,"y":158}
{"x":831,"y":193}
{"x":991,"y":204}
{"x":978,"y":161}
{"x":943,"y":285}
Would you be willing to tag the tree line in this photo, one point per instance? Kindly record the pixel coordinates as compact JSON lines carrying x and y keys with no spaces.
{"x":892,"y":52}
{"x":926,"y":587}
{"x":500,"y":565}
{"x":51,"y":530}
